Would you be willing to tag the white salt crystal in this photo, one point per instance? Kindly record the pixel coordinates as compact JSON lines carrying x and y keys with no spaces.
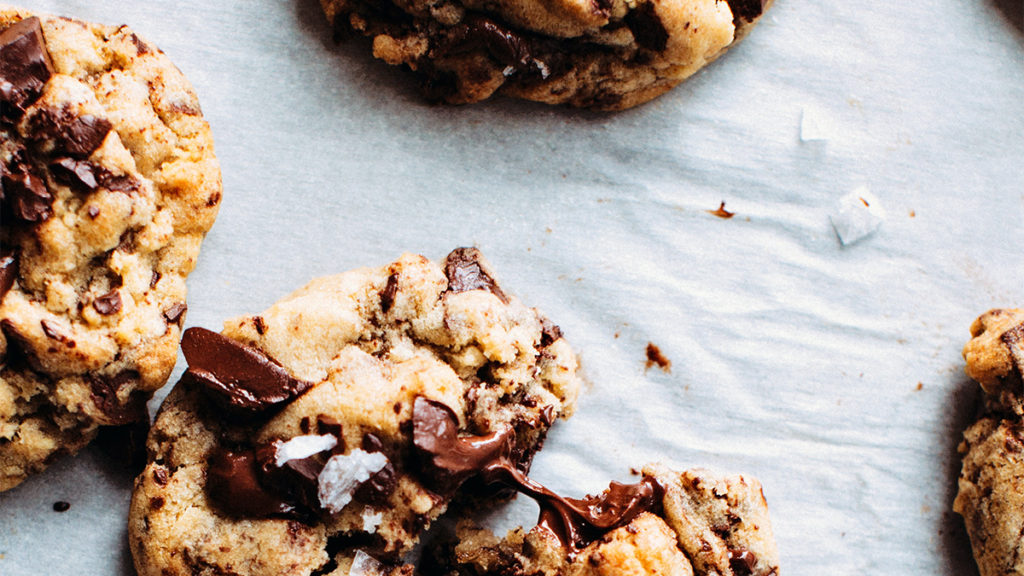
{"x":815,"y":125}
{"x":301,"y":447}
{"x":365,"y":565}
{"x":859,"y":215}
{"x":343,"y":474}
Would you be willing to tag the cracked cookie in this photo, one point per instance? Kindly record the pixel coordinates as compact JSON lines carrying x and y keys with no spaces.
{"x":991,"y":496}
{"x":108,"y":183}
{"x":303,"y":440}
{"x":670,"y":523}
{"x":600,"y":54}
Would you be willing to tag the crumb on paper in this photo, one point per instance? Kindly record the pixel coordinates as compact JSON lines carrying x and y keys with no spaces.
{"x":656,"y":358}
{"x":815,"y":126}
{"x":859,"y":215}
{"x":61,"y":506}
{"x":721,"y":212}
{"x":920,"y":385}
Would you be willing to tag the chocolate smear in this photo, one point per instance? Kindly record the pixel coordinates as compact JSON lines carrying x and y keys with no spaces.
{"x":8,"y":270}
{"x":446,"y":460}
{"x":105,"y":396}
{"x":25,"y":67}
{"x":239,"y":376}
{"x":646,"y":26}
{"x":109,"y":303}
{"x":465,"y":272}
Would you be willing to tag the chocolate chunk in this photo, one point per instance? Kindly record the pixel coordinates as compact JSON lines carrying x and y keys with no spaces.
{"x":8,"y":270}
{"x":328,"y":425}
{"x":378,"y":488}
{"x":79,"y":175}
{"x":174,"y":313}
{"x":105,"y":397}
{"x":53,"y":331}
{"x":446,"y":460}
{"x":124,"y":447}
{"x":1013,"y":339}
{"x":109,"y":303}
{"x":19,"y":347}
{"x":25,"y":67}
{"x":549,"y":332}
{"x":742,"y":562}
{"x":239,"y":376}
{"x":387,"y":296}
{"x":465,"y":272}
{"x":745,"y":10}
{"x":62,"y":132}
{"x":26,"y":196}
{"x":477,"y":32}
{"x":232,"y":481}
{"x":646,"y":26}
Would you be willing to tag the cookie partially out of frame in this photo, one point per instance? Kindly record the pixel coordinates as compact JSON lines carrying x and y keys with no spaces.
{"x":687,"y":523}
{"x":108,"y":183}
{"x":294,"y":444}
{"x":991,"y":490}
{"x":600,"y":54}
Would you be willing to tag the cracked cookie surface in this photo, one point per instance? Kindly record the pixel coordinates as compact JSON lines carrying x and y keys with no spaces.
{"x":600,"y":54}
{"x":288,"y":447}
{"x":703,"y":523}
{"x":108,"y":184}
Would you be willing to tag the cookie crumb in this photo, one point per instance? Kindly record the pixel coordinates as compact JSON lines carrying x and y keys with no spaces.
{"x":61,"y":506}
{"x":920,"y":385}
{"x":721,"y":212}
{"x":656,"y":358}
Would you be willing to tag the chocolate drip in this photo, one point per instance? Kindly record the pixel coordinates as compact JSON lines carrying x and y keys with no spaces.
{"x":25,"y":67}
{"x":239,"y":376}
{"x":447,"y":460}
{"x":465,"y":272}
{"x":8,"y":270}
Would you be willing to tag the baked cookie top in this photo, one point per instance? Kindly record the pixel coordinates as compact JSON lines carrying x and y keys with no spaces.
{"x":601,"y":54}
{"x":990,"y":496}
{"x":670,"y":523}
{"x":108,"y":183}
{"x":295,"y":441}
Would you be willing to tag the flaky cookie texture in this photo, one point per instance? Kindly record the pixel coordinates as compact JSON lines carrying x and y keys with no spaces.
{"x":991,"y":491}
{"x":109,"y":183}
{"x":708,"y":525}
{"x":600,"y":54}
{"x":372,"y":343}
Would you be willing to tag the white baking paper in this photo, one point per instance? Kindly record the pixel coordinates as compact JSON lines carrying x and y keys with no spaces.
{"x":833,"y":374}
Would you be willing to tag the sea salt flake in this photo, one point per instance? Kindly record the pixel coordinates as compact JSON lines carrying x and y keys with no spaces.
{"x":342,"y":476}
{"x":815,"y":125}
{"x":858,"y":216}
{"x":372,"y":519}
{"x":365,"y":565}
{"x":301,"y":447}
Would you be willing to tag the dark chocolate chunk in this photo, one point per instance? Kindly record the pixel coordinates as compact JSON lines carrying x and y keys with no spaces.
{"x":61,"y":506}
{"x":239,"y":376}
{"x":745,"y":10}
{"x":646,"y":26}
{"x":387,"y":296}
{"x":25,"y":67}
{"x":464,"y":272}
{"x":742,"y":562}
{"x":8,"y":270}
{"x":105,"y":396}
{"x":175,"y":312}
{"x":109,"y":303}
{"x":53,"y":331}
{"x":549,"y":332}
{"x":62,"y":132}
{"x":124,"y":447}
{"x":378,"y":488}
{"x":79,"y":175}
{"x":26,"y":196}
{"x":477,"y":32}
{"x":232,"y":481}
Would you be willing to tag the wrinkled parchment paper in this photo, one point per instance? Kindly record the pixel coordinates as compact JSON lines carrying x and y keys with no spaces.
{"x":831,"y":372}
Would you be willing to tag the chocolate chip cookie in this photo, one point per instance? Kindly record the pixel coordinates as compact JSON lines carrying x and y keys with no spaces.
{"x":108,"y":183}
{"x":312,"y":436}
{"x":601,"y":54}
{"x":670,"y":523}
{"x":991,"y":495}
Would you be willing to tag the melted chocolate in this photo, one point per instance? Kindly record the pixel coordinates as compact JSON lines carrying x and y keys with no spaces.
{"x":447,"y":460}
{"x":646,"y":26}
{"x":239,"y":376}
{"x":8,"y":270}
{"x":25,"y":67}
{"x":477,"y":32}
{"x":232,"y":481}
{"x":462,"y":267}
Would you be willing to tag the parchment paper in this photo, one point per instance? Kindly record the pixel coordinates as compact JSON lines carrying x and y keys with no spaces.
{"x":832,"y":373}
